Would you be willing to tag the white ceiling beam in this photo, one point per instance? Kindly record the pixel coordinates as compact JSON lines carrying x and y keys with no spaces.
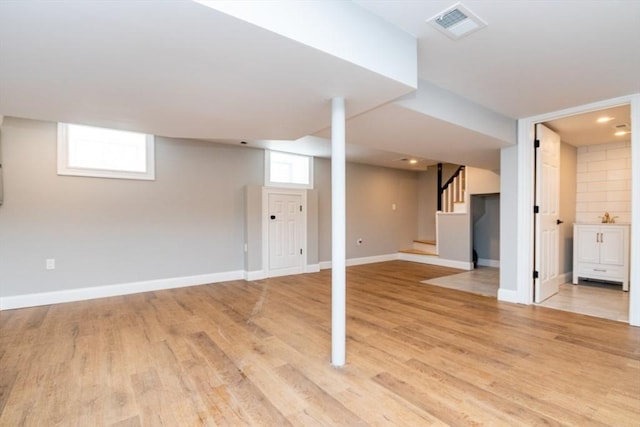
{"x":442,"y":104}
{"x":339,"y":28}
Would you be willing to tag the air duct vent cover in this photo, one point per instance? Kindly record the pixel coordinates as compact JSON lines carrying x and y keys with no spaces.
{"x":456,"y":21}
{"x":451,"y":18}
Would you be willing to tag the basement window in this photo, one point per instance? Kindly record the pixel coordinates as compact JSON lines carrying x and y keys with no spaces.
{"x":105,"y":153}
{"x":288,"y":170}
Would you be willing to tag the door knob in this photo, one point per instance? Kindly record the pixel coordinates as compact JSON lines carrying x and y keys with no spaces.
{"x":558,"y":222}
{"x":273,"y":217}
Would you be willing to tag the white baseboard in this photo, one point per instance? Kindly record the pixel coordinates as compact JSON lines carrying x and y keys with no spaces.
{"x":254,"y":275}
{"x":261,"y":274}
{"x":371,"y":259}
{"x":566,"y":277}
{"x":508,"y":295}
{"x":285,"y":272}
{"x":489,"y":262}
{"x":435,"y":260}
{"x":363,"y":260}
{"x":81,"y":294}
{"x":312,"y":268}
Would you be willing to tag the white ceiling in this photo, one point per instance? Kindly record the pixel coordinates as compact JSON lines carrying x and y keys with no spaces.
{"x":173,"y":68}
{"x":584,"y":129}
{"x":534,"y":57}
{"x":181,"y":69}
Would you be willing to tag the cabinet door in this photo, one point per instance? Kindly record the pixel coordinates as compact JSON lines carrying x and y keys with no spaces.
{"x":612,"y":246}
{"x":588,"y":244}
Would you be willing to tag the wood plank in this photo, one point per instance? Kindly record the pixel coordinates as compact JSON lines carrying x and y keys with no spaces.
{"x":258,"y":353}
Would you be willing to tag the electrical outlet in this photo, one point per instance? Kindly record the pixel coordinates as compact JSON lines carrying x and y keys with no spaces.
{"x":393,"y":206}
{"x":359,"y":241}
{"x":50,"y":264}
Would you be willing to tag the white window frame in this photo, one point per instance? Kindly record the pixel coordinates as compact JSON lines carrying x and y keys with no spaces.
{"x":65,"y":169}
{"x":267,"y":172}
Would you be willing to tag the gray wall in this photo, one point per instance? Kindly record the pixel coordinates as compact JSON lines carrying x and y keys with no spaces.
{"x":312,"y":227}
{"x":1,"y":185}
{"x":457,"y":243}
{"x":509,"y":218}
{"x":370,"y":193}
{"x":189,"y":221}
{"x":253,"y":227}
{"x":486,"y":225}
{"x":427,"y":203}
{"x":568,"y":187}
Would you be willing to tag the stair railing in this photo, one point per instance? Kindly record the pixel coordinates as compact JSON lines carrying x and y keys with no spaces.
{"x":452,"y":191}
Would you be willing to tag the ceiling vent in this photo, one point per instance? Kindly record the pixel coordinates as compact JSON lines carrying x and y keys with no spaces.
{"x":456,"y":22}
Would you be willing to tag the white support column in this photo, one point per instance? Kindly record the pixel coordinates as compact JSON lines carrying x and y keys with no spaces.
{"x":634,"y":291}
{"x":338,"y":233}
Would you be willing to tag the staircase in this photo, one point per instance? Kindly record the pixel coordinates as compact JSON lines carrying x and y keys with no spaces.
{"x":422,"y":247}
{"x":452,"y":200}
{"x":423,"y":251}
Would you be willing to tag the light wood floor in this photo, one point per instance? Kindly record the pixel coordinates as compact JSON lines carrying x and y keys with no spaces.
{"x":258,"y":353}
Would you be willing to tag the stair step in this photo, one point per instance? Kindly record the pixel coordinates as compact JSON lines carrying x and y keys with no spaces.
{"x":426,"y":242}
{"x":425,"y":246}
{"x":417,"y":252}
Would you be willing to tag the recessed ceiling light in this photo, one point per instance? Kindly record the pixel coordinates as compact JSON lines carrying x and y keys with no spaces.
{"x":604,"y":119}
{"x":621,"y":133}
{"x":413,"y":161}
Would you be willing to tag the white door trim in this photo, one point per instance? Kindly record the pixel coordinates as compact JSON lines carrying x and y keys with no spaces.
{"x":524,"y":266}
{"x":266,"y":191}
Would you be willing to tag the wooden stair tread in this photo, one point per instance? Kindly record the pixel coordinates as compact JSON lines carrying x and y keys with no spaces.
{"x":417,"y":252}
{"x":426,"y":242}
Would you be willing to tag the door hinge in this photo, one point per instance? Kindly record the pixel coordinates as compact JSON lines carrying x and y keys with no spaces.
{"x":536,"y":209}
{"x":536,"y":274}
{"x":300,"y":251}
{"x":300,"y":208}
{"x":536,"y":143}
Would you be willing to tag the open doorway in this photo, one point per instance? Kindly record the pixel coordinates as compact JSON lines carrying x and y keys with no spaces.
{"x":485,"y":229}
{"x":594,"y":187}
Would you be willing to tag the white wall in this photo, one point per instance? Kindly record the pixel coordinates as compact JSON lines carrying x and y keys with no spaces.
{"x":604,"y":182}
{"x":568,"y":156}
{"x":482,"y":181}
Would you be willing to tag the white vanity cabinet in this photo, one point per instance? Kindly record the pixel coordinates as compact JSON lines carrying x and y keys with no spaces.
{"x":601,"y":252}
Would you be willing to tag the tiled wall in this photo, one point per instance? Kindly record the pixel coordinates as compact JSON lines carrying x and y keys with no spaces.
{"x":604,"y":182}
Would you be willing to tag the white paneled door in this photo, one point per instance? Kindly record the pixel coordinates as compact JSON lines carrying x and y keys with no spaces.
{"x":285,"y":233}
{"x":547,"y":236}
